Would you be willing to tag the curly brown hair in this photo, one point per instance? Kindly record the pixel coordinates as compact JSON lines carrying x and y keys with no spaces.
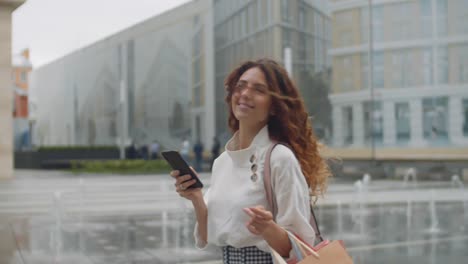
{"x":289,"y":124}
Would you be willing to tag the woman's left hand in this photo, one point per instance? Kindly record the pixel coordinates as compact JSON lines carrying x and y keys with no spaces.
{"x":260,"y":219}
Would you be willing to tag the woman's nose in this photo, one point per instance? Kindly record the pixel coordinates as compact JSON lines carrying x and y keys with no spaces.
{"x":246,"y":91}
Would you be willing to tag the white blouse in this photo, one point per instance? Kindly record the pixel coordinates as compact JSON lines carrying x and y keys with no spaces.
{"x":233,"y":187}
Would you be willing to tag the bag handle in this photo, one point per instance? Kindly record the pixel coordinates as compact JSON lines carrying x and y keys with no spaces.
{"x":269,"y":192}
{"x":301,"y":250}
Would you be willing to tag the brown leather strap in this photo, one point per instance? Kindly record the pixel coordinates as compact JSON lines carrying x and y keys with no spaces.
{"x":270,"y":193}
{"x":267,"y":180}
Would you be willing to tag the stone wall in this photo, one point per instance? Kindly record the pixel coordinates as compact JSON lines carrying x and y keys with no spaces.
{"x":6,"y":93}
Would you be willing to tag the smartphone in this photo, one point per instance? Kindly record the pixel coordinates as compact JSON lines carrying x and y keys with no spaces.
{"x":178,"y":163}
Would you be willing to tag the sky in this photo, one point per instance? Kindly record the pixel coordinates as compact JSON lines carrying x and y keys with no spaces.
{"x":54,"y":28}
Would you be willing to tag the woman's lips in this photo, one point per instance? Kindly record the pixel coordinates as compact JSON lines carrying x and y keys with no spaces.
{"x":244,"y":105}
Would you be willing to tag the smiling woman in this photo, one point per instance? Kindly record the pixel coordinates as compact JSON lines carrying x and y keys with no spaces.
{"x":264,"y":108}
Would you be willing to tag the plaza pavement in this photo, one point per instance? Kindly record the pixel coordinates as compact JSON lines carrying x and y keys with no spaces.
{"x":33,"y":193}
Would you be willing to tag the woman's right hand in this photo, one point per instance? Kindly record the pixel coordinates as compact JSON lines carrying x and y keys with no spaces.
{"x":182,"y":185}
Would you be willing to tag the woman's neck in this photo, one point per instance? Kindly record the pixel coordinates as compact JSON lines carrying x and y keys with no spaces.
{"x":247,"y":133}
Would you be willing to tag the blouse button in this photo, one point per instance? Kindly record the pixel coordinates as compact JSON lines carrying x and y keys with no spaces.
{"x":252,"y":158}
{"x":253,"y":168}
{"x":254,"y":177}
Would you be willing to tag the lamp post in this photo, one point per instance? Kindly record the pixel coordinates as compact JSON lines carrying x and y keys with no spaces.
{"x":123,"y":113}
{"x":370,"y":82}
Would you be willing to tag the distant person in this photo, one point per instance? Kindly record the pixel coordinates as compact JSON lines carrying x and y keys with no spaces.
{"x":132,"y":151}
{"x":214,"y":151}
{"x":198,"y":151}
{"x":144,"y":151}
{"x":154,"y":150}
{"x":185,"y":150}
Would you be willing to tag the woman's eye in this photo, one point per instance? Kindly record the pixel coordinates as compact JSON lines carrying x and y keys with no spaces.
{"x":260,"y":89}
{"x":239,"y":86}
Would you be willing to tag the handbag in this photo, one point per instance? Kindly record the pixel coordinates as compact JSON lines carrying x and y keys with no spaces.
{"x":325,"y":252}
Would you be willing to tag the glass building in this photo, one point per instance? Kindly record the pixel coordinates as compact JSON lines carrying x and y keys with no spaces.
{"x":250,"y":29}
{"x":138,"y":85}
{"x":412,"y":92}
{"x":162,"y":79}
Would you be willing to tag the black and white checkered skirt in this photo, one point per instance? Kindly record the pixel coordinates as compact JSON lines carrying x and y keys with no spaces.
{"x":245,"y":255}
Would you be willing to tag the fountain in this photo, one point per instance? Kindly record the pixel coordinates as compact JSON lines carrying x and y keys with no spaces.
{"x":409,"y":213}
{"x":339,"y":216}
{"x":434,"y":228}
{"x":57,"y":232}
{"x":165,"y":228}
{"x":358,"y":212}
{"x":81,"y":224}
{"x":411,"y":173}
{"x":457,"y":183}
{"x":187,"y":231}
{"x":366,"y":180}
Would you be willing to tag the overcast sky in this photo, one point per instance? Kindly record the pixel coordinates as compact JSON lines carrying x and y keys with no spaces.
{"x":54,"y":28}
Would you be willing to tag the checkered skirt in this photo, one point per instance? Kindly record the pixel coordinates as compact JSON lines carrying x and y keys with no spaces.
{"x":245,"y":255}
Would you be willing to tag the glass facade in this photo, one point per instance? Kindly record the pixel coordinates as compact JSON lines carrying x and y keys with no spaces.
{"x":435,"y":118}
{"x":402,"y":122}
{"x":161,"y":83}
{"x":250,"y":29}
{"x":130,"y":88}
{"x":419,"y":73}
{"x":373,"y":122}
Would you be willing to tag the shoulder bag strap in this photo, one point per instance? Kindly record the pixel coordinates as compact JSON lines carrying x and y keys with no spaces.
{"x":269,"y":192}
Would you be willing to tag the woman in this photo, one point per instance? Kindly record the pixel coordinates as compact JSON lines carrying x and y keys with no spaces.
{"x":264,"y":106}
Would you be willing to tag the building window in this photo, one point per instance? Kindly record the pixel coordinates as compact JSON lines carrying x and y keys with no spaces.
{"x":373,"y":122}
{"x":251,"y":17}
{"x":427,"y":66}
{"x":435,"y":119}
{"x":348,"y":125}
{"x":442,"y":65}
{"x":460,"y":14}
{"x":465,"y":117}
{"x":442,"y":17}
{"x":197,"y":96}
{"x":377,"y":23}
{"x":302,"y":18}
{"x":302,"y":47}
{"x":285,"y":10}
{"x":347,"y":74}
{"x":259,"y":5}
{"x":344,"y":22}
{"x":364,"y":25}
{"x":401,"y":65}
{"x":197,"y":71}
{"x":402,"y":24}
{"x":402,"y":122}
{"x":463,"y":64}
{"x":364,"y":71}
{"x":426,"y":18}
{"x":286,"y":38}
{"x":243,"y":18}
{"x":378,"y":61}
{"x":346,"y":38}
{"x":196,"y":44}
{"x":318,"y":25}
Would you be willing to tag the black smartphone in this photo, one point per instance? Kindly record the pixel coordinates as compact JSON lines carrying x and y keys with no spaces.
{"x":178,"y":163}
